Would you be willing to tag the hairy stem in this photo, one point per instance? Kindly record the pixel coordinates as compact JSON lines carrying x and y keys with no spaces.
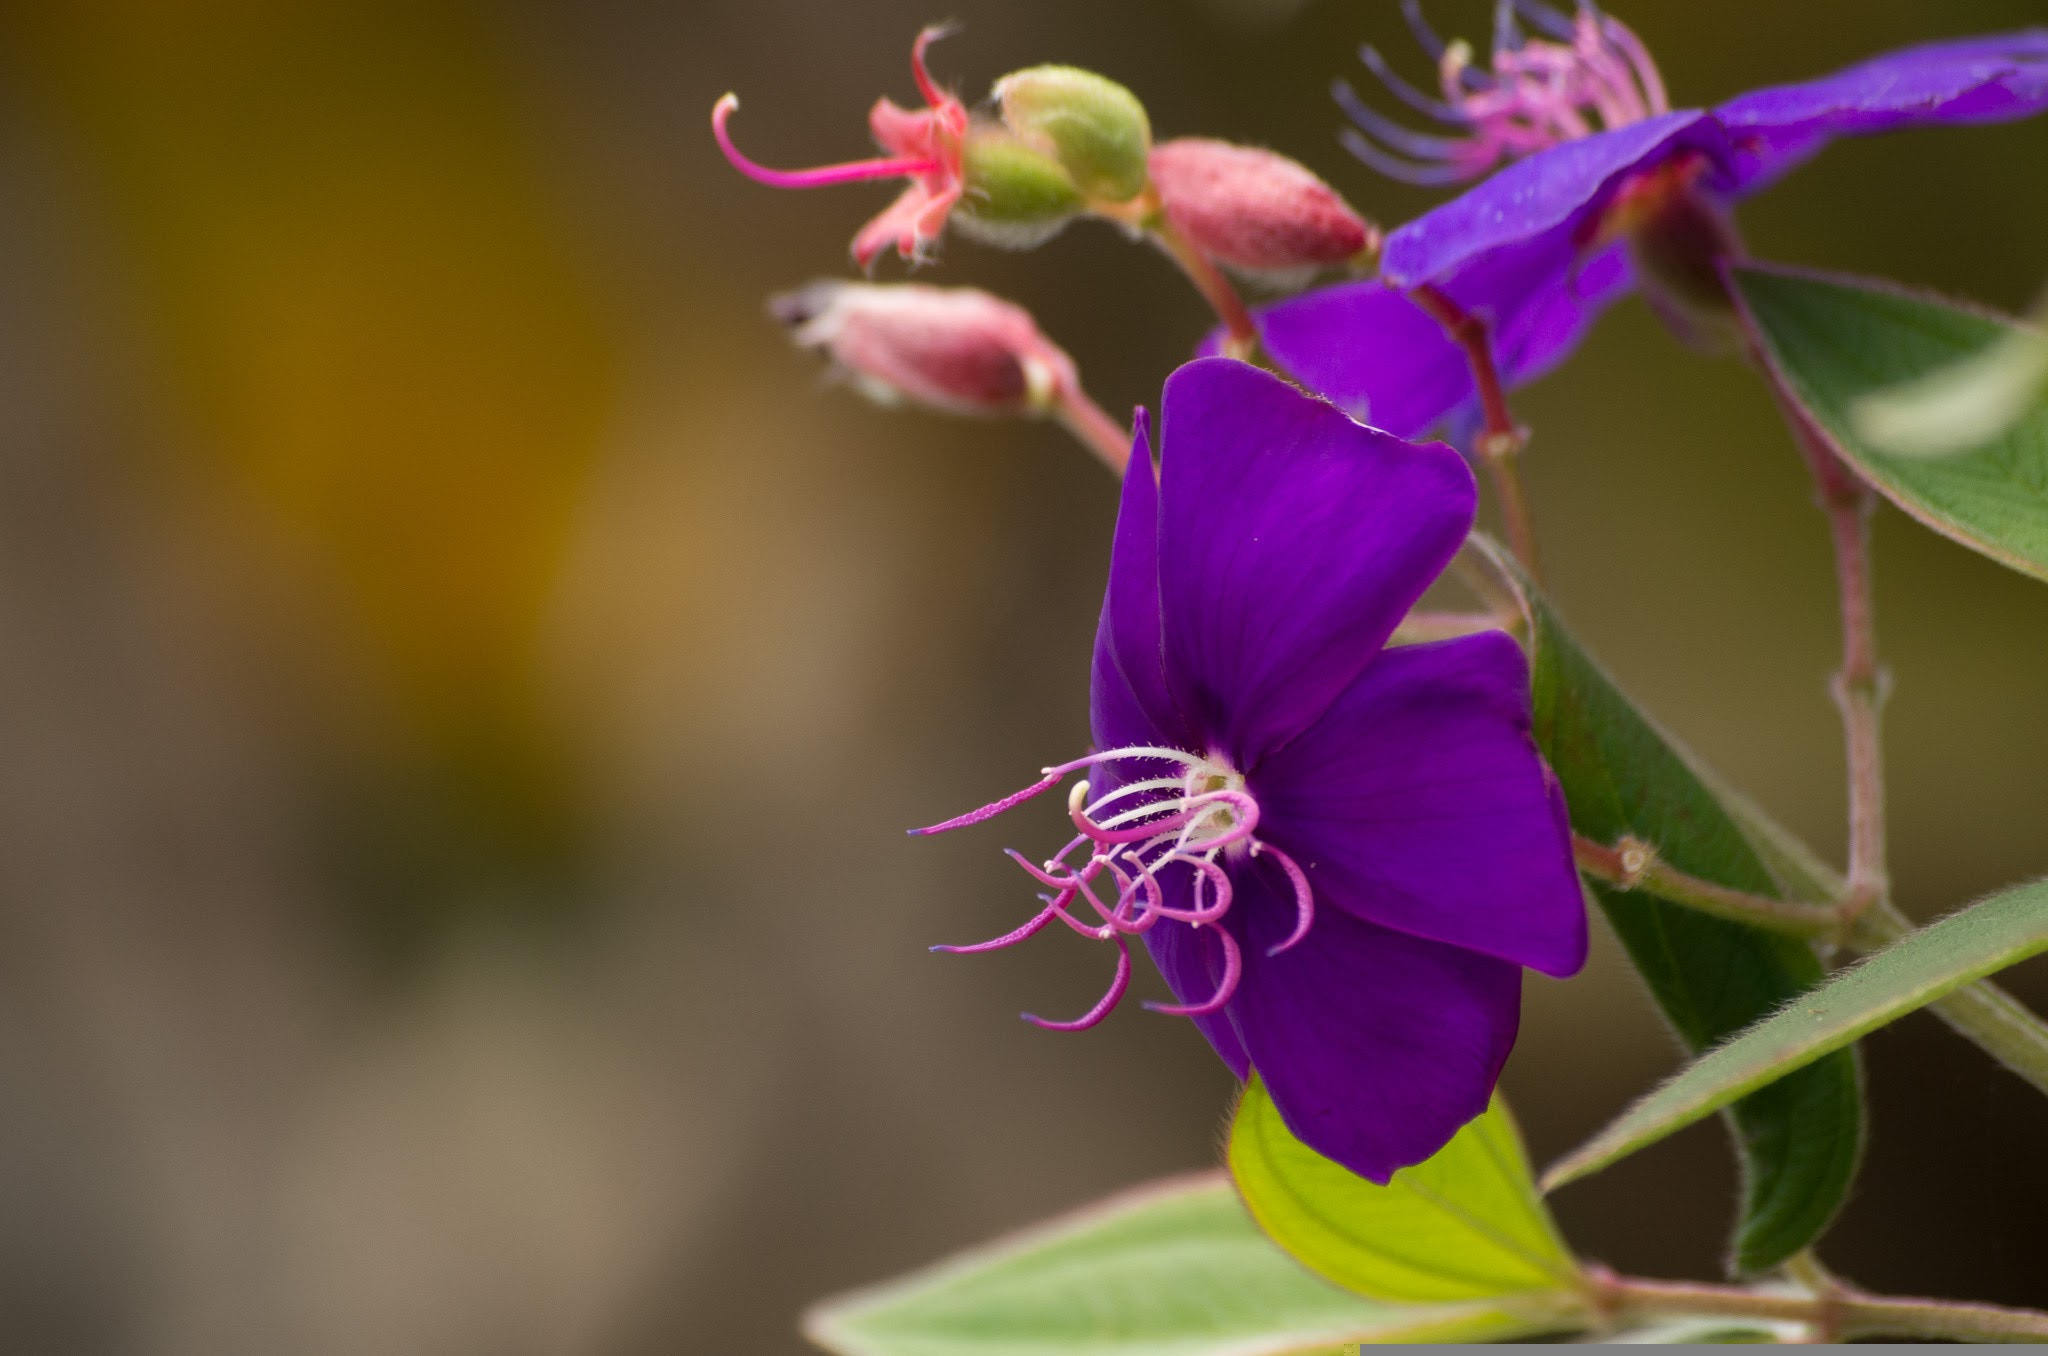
{"x":1860,"y":684}
{"x":1501,"y":439}
{"x":1859,"y":690}
{"x":1092,"y":426}
{"x":1843,"y":1311}
{"x":1632,"y":864}
{"x":1981,"y":1013}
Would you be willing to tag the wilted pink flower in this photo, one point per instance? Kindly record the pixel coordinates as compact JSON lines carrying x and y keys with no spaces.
{"x":1254,"y":210}
{"x":951,"y":348}
{"x":924,"y":146}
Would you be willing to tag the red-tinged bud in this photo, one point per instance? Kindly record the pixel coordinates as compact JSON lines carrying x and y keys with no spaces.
{"x":1255,"y":211}
{"x":956,"y":349}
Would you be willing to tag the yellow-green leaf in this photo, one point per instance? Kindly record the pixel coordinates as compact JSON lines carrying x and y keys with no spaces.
{"x":1466,"y":1225}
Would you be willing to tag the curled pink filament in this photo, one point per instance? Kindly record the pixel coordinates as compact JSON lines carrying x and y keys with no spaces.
{"x":1189,"y":814}
{"x":823,"y":176}
{"x":1105,"y":1005}
{"x":1233,"y":967}
{"x":1304,"y":898}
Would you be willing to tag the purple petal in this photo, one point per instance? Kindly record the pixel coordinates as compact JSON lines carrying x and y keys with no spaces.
{"x":1380,"y":357}
{"x":1550,"y":190}
{"x":1371,"y":351}
{"x":1129,"y":702}
{"x":1375,"y":1045}
{"x":1191,"y":960}
{"x":1419,"y":802}
{"x":1973,"y":80}
{"x":1292,"y":542}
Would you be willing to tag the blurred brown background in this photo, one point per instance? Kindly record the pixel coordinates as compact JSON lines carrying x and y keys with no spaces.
{"x":463,"y":680}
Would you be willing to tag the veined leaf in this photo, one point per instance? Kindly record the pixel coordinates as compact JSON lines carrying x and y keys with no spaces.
{"x":1835,"y":343}
{"x":1909,"y":974}
{"x":1466,"y":1225}
{"x":1799,"y":1140}
{"x":1172,"y":1269}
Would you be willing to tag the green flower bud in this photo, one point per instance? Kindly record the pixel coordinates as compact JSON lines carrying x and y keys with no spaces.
{"x":1014,"y":196}
{"x":1096,"y":127}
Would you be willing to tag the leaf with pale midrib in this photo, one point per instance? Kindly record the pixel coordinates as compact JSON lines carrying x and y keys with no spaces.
{"x":1173,"y":1269}
{"x":1835,"y":342}
{"x":1907,"y":975}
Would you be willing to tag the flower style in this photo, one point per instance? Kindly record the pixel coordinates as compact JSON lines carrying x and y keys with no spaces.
{"x":1340,"y":855}
{"x":924,"y":146}
{"x":1548,"y":242}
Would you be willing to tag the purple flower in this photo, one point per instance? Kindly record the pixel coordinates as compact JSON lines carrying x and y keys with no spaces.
{"x":1548,"y":242}
{"x":1340,"y":855}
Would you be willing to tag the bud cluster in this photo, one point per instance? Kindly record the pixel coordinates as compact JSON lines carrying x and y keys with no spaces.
{"x":1054,"y":143}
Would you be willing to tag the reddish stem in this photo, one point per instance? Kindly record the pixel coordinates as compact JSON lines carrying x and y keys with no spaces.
{"x":1501,"y":440}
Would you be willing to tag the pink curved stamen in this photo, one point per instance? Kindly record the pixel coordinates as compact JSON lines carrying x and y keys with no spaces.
{"x":1139,"y":753}
{"x":1156,"y":819}
{"x":1093,"y":932}
{"x":1161,"y":822}
{"x":994,"y":808}
{"x":1591,"y":73}
{"x":1130,"y":888}
{"x":1043,"y":874}
{"x":1183,"y":815}
{"x":1010,"y":938}
{"x":1648,"y":77}
{"x":1103,"y":1008}
{"x":824,"y":176}
{"x":1304,"y":898}
{"x":1210,"y":875}
{"x":1233,"y":968}
{"x":1246,"y":818}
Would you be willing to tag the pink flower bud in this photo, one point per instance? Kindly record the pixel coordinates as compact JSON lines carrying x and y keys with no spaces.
{"x":1253,"y":210}
{"x":951,"y":348}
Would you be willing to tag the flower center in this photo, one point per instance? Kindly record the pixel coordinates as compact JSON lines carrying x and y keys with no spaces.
{"x":1171,"y":812}
{"x":1589,"y":73}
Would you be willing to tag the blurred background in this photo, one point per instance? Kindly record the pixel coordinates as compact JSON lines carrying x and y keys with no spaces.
{"x":463,"y":678}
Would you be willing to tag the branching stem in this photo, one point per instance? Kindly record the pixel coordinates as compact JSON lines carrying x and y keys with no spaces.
{"x":1631,"y":864}
{"x":1501,"y":439}
{"x":1843,"y":1311}
{"x":1981,"y":1013}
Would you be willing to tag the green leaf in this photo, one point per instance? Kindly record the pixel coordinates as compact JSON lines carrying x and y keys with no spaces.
{"x":1961,"y":406}
{"x":1466,"y":1225}
{"x":1835,"y":342}
{"x":1909,"y":974}
{"x":1800,"y":1140}
{"x":1172,"y":1269}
